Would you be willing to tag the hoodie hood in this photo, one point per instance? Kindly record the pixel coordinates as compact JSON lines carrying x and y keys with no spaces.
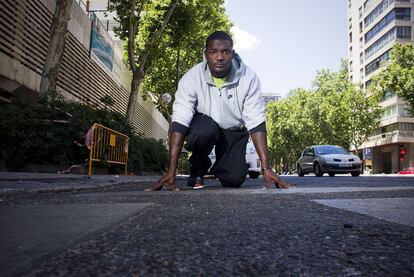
{"x":236,"y":70}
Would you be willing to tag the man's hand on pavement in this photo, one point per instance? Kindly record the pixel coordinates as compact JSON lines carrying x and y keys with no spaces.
{"x":167,"y":181}
{"x":270,"y":177}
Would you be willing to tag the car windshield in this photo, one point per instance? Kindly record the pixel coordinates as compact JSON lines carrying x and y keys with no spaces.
{"x":323,"y":150}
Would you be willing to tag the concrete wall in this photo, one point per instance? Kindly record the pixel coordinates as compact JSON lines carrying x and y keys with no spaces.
{"x":23,"y":47}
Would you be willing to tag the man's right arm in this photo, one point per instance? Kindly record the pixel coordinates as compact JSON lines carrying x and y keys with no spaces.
{"x":176,"y":141}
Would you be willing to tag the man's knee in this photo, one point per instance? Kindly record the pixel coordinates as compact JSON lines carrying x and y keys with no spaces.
{"x":204,"y":132}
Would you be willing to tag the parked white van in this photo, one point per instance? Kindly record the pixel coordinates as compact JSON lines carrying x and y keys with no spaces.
{"x":252,"y":160}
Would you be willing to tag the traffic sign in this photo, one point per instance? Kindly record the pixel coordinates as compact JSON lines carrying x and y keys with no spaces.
{"x":368,"y":154}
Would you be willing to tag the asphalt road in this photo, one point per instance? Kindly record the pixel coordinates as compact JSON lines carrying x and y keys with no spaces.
{"x":326,"y":226}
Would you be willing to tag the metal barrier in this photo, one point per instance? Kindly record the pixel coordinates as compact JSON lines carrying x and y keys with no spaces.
{"x":106,"y":145}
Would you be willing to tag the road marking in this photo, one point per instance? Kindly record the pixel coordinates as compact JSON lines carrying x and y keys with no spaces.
{"x":397,"y":210}
{"x":330,"y":190}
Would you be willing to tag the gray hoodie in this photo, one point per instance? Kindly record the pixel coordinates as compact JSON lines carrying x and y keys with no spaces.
{"x":237,"y":104}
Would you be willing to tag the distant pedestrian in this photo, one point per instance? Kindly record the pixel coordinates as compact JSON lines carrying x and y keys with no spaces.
{"x":218,"y":103}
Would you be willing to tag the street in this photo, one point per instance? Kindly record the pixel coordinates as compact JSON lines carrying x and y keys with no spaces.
{"x":326,"y":226}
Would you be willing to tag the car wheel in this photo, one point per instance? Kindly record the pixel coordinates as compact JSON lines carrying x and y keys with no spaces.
{"x":254,"y":174}
{"x":300,"y":171}
{"x":355,"y":174}
{"x":317,"y":170}
{"x":331,"y":174}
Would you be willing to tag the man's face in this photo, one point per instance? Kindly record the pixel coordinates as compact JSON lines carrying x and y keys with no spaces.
{"x":219,"y":54}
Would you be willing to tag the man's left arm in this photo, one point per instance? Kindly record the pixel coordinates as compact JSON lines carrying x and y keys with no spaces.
{"x":259,"y":138}
{"x":255,"y":117}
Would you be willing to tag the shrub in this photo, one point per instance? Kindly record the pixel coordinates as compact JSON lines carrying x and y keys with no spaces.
{"x":45,"y":134}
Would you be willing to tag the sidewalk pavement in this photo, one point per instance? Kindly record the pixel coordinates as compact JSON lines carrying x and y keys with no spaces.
{"x":17,"y":182}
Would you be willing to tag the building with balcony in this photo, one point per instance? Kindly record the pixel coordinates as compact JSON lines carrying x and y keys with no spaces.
{"x":91,"y":67}
{"x":374,"y":27}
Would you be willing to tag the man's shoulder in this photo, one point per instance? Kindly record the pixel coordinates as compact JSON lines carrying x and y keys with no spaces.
{"x":249,"y":72}
{"x":193,"y":73}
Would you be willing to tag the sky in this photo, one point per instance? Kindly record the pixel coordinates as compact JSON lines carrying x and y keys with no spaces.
{"x":287,"y":42}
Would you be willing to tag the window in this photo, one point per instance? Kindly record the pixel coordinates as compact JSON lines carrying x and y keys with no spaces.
{"x":387,"y":95}
{"x":368,"y":4}
{"x":375,"y":64}
{"x":388,"y":112}
{"x":350,"y":66}
{"x":360,"y":27}
{"x":368,"y":83}
{"x":350,"y":37}
{"x":361,"y":72}
{"x":377,"y":11}
{"x":404,"y":126}
{"x":404,"y":32}
{"x":361,"y":58}
{"x":403,"y":14}
{"x":403,"y":110}
{"x":381,"y":42}
{"x":380,"y":26}
{"x":360,"y":12}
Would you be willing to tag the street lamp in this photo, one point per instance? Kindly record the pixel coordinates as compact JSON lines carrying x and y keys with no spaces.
{"x":166,"y":98}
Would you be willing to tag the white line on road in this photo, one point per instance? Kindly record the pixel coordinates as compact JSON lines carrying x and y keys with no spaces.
{"x":330,"y":189}
{"x":398,"y":210}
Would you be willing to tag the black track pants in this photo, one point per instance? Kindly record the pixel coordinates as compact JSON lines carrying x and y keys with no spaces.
{"x":230,"y":166}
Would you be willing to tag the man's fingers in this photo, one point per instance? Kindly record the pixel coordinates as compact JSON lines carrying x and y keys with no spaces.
{"x":155,"y":187}
{"x":282,"y":184}
{"x":159,"y":185}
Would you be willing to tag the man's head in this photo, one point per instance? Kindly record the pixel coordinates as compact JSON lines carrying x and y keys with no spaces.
{"x":219,"y":53}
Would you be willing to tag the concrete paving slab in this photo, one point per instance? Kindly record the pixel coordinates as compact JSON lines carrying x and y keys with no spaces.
{"x":37,"y":230}
{"x":397,"y":210}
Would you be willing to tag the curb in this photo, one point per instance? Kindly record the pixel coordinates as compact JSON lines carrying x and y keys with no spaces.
{"x":70,"y":188}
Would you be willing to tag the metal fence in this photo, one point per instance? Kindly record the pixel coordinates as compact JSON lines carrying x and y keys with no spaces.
{"x":107,"y":146}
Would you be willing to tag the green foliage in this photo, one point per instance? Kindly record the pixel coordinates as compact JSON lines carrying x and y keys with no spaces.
{"x":184,"y":39}
{"x":107,"y":100}
{"x":334,"y":112}
{"x":183,"y":165}
{"x":161,"y":61}
{"x":45,"y":134}
{"x":398,"y":76}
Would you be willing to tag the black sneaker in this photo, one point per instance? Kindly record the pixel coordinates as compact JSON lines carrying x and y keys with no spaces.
{"x":196,"y":182}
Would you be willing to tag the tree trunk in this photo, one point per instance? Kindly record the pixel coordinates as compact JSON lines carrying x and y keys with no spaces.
{"x":139,"y":73}
{"x":177,"y":69}
{"x":137,"y":77}
{"x":58,"y":31}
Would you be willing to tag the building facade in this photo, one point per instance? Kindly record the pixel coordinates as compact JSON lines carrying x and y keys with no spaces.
{"x":374,"y":26}
{"x":91,"y":67}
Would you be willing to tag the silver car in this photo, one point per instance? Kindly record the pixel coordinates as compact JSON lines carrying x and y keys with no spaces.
{"x":320,"y":159}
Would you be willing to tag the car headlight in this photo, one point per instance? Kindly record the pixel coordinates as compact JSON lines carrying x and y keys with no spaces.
{"x":328,"y":159}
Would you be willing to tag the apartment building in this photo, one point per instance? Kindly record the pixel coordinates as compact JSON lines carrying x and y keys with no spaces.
{"x":374,"y":27}
{"x":91,"y":67}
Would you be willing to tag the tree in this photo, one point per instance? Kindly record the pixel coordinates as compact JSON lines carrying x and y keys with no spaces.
{"x":291,"y":127}
{"x":334,"y":112}
{"x":398,"y":76}
{"x":190,"y":24}
{"x":58,"y":30}
{"x":142,"y":24}
{"x":184,"y":37}
{"x":363,"y":115}
{"x":330,"y":88}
